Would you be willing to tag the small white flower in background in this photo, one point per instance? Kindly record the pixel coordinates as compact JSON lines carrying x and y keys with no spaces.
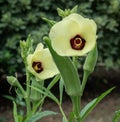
{"x":41,"y":64}
{"x":73,"y":36}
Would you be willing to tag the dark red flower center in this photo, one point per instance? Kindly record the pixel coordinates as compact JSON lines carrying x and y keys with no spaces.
{"x":77,"y":42}
{"x":37,"y":66}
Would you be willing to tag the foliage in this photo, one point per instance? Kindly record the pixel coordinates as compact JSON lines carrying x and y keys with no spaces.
{"x":18,"y":18}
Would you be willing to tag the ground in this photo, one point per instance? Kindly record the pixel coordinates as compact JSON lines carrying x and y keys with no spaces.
{"x":104,"y":112}
{"x":98,"y":83}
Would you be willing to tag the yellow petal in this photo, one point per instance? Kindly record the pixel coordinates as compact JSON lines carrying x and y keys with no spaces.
{"x":39,"y":47}
{"x":47,"y":64}
{"x":62,"y":32}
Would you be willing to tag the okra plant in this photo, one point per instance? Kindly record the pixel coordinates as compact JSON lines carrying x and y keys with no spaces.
{"x":72,"y":37}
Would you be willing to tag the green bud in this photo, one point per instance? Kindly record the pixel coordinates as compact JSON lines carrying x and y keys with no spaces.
{"x":12,"y":80}
{"x":91,"y":60}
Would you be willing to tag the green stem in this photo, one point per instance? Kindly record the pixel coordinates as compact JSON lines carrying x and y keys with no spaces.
{"x":76,"y":101}
{"x":28,"y":92}
{"x":62,"y":112}
{"x":84,"y":81}
{"x":57,"y":77}
{"x":39,"y":95}
{"x":21,"y":88}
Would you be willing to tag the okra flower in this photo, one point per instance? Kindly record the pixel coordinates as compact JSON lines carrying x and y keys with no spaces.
{"x":73,"y":36}
{"x":41,"y":64}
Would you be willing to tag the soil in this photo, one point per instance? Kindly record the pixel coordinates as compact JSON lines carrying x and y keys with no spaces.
{"x":104,"y":111}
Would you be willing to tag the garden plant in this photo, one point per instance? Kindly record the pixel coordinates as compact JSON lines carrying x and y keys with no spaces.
{"x":56,"y":58}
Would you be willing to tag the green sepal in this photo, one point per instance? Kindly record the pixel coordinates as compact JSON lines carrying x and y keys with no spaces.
{"x":74,"y":9}
{"x":91,"y":60}
{"x":67,"y":12}
{"x":61,"y":13}
{"x":67,"y":70}
{"x":26,"y":47}
{"x":50,"y":22}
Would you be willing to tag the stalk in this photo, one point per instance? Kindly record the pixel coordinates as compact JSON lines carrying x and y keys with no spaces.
{"x":27,"y":99}
{"x":85,"y":77}
{"x":76,"y":101}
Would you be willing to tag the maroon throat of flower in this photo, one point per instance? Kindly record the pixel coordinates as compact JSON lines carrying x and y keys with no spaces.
{"x":77,"y":42}
{"x":37,"y":66}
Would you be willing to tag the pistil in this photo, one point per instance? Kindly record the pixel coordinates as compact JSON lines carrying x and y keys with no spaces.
{"x":37,"y":66}
{"x":77,"y":43}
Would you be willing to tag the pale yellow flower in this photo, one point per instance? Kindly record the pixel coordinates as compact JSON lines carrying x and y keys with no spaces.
{"x":73,"y":36}
{"x":41,"y":64}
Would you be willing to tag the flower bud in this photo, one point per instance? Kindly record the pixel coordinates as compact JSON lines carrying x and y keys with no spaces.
{"x":12,"y":80}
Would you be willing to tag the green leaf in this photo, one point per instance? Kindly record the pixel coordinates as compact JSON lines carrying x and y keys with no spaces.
{"x":9,"y":97}
{"x":17,"y":117}
{"x":64,"y":120}
{"x":46,"y":92}
{"x":15,"y":114}
{"x":40,"y":115}
{"x":91,"y":105}
{"x":53,"y":82}
{"x":116,"y":116}
{"x":71,"y":118}
{"x":50,"y":94}
{"x":61,"y":87}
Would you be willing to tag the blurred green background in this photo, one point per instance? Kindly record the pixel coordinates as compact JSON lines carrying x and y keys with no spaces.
{"x":18,"y":18}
